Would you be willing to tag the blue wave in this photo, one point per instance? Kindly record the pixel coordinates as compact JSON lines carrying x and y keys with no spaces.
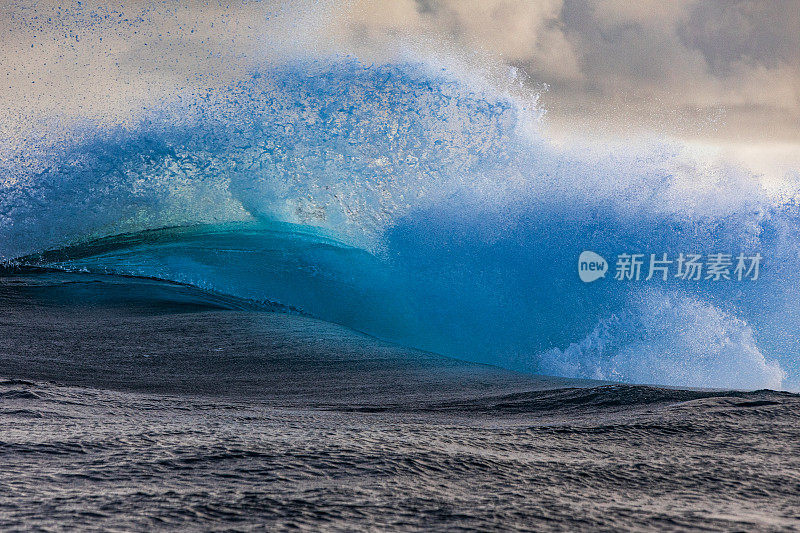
{"x":422,"y":208}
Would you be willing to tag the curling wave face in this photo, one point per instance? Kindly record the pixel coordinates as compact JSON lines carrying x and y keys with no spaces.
{"x":425,"y":209}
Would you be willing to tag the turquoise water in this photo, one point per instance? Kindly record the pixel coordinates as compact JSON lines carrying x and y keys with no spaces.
{"x":424,"y":208}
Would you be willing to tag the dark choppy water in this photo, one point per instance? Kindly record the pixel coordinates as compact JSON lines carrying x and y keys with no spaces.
{"x":136,"y":405}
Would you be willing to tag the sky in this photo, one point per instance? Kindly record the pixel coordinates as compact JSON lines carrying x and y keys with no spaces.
{"x":724,"y":74}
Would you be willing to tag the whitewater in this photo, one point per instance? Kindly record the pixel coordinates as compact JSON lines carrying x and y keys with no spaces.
{"x":423,"y":207}
{"x":339,"y":293}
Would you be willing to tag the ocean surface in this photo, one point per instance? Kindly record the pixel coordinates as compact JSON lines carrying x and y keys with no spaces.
{"x":136,"y":404}
{"x":344,"y":295}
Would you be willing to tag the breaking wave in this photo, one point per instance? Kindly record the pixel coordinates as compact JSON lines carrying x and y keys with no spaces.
{"x":425,"y":208}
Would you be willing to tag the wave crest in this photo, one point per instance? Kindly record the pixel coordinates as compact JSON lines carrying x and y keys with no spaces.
{"x":457,"y":223}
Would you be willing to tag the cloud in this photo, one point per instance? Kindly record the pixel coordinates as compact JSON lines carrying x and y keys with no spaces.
{"x":686,"y":67}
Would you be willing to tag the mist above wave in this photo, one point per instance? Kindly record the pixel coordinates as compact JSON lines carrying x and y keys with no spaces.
{"x":472,"y":216}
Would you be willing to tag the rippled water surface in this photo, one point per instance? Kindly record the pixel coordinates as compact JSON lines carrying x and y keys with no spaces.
{"x":125,"y":412}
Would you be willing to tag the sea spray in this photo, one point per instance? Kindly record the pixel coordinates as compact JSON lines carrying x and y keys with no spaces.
{"x":456,"y":225}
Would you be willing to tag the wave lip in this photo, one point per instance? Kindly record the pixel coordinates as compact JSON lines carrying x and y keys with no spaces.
{"x":425,"y":210}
